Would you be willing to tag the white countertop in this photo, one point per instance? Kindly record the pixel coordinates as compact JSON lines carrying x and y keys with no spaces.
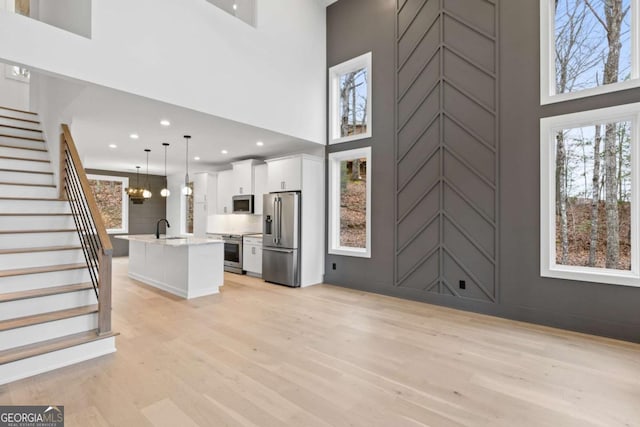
{"x":171,"y":241}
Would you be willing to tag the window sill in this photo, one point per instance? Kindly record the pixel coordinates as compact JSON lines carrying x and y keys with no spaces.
{"x":354,"y":252}
{"x":593,"y":275}
{"x":350,"y":138}
{"x":594,"y":91}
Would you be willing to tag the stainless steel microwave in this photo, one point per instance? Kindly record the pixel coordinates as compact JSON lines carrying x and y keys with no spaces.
{"x":243,"y":204}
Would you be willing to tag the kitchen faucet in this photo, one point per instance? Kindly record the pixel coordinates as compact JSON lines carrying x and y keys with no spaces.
{"x":158,"y":227}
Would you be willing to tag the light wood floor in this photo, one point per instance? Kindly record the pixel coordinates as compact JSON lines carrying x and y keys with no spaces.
{"x":264,"y":355}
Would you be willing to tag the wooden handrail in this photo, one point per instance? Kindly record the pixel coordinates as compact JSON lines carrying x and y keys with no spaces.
{"x":105,"y":242}
{"x":98,"y":254}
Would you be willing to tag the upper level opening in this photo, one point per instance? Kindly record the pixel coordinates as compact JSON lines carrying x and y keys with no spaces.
{"x":69,"y":15}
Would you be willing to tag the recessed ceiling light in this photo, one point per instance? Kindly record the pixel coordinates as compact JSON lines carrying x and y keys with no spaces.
{"x":224,"y":152}
{"x":235,"y":6}
{"x":196,"y":158}
{"x":259,"y":143}
{"x":113,"y":146}
{"x":165,"y":122}
{"x":134,"y":136}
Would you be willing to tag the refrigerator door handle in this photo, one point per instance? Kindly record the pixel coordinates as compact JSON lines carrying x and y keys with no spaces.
{"x":279,"y":220}
{"x":285,"y":251}
{"x":275,"y":217}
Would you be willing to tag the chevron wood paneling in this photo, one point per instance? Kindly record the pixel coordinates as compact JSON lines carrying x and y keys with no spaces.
{"x":447,"y":147}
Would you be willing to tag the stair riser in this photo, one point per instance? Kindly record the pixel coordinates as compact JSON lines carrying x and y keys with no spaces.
{"x":19,"y":132}
{"x":23,"y":153}
{"x":39,"y":259}
{"x":46,"y":331}
{"x":22,"y":191}
{"x":25,"y":165}
{"x":43,"y":280}
{"x":12,"y":223}
{"x":19,"y":123}
{"x":47,"y":362}
{"x":11,"y":113}
{"x":34,"y":206}
{"x":22,"y":143}
{"x":32,"y":240}
{"x":26,"y":178}
{"x":32,"y":306}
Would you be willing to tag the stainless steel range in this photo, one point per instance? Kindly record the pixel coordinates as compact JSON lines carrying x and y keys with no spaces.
{"x":232,"y":252}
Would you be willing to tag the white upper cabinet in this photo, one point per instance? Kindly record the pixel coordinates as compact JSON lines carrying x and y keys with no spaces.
{"x":226,"y":190}
{"x":284,"y":174}
{"x":259,"y":186}
{"x":243,"y":177}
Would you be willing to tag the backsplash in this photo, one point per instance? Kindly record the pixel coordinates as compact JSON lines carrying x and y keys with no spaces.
{"x":234,"y":224}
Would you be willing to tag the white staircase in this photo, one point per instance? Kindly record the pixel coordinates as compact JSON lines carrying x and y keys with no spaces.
{"x":48,"y":306}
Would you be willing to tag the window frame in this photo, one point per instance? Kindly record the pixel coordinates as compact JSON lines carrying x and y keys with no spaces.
{"x":125,"y":200}
{"x":548,"y":128}
{"x":362,"y":61}
{"x":334,"y":202}
{"x":547,"y":58}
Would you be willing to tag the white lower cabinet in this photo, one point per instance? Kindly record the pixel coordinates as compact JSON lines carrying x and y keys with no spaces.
{"x":252,"y":255}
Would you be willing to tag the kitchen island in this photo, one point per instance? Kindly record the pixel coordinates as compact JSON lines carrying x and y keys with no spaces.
{"x":185,"y":266}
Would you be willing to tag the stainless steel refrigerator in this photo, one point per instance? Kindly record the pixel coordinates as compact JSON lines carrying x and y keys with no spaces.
{"x":281,"y":238}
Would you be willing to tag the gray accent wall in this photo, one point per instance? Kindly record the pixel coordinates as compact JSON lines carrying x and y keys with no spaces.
{"x":142,"y":218}
{"x":456,"y":163}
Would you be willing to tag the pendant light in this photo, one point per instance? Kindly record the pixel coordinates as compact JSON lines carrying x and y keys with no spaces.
{"x":186,"y":190}
{"x":136,"y":193}
{"x":165,"y":191}
{"x":146,"y":193}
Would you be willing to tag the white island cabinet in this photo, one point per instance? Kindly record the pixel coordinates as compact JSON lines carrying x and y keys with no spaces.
{"x":188,"y":267}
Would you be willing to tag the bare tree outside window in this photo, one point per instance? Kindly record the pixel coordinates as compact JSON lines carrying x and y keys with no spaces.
{"x":353,"y":93}
{"x":593,"y":48}
{"x":581,"y":240}
{"x":353,"y":203}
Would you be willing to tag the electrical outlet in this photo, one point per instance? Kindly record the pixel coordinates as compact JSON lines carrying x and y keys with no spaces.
{"x":463,"y":284}
{"x":333,"y":266}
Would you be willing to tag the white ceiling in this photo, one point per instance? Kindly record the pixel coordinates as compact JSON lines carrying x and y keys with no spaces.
{"x":101,"y":117}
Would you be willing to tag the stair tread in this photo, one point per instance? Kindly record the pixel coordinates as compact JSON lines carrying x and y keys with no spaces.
{"x":2,"y":116}
{"x":24,"y":160}
{"x":23,"y":148}
{"x":21,"y":137}
{"x":49,"y":346}
{"x":27,"y":184}
{"x":60,"y":230}
{"x":42,"y":292}
{"x":18,"y":111}
{"x":51,"y":316}
{"x":36,"y":214}
{"x":25,"y":171}
{"x":20,"y":128}
{"x":39,"y":249}
{"x":43,"y":269}
{"x":39,"y":199}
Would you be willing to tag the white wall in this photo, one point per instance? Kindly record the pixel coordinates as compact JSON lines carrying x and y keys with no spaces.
{"x":194,"y":55}
{"x":13,"y":93}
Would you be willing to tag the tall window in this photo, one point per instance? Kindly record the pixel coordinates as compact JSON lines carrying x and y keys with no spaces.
{"x":350,"y":99}
{"x":112,"y":201}
{"x":588,"y":47}
{"x":350,"y":202}
{"x":188,"y":212}
{"x":589,"y":195}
